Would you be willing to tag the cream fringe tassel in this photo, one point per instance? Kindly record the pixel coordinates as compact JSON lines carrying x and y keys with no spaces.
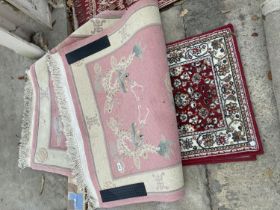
{"x":25,"y":141}
{"x":64,"y":106}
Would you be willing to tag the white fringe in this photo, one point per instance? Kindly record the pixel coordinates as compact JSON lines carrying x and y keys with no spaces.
{"x":64,"y":107}
{"x":25,"y":141}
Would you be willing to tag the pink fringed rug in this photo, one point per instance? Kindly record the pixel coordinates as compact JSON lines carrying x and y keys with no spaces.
{"x":111,"y":111}
{"x":43,"y":143}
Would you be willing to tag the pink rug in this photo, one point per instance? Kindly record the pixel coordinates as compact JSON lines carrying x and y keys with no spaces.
{"x":43,"y":143}
{"x":110,"y":112}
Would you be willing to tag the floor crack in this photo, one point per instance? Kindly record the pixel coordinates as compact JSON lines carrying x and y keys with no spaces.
{"x":184,"y":22}
{"x":208,"y":189}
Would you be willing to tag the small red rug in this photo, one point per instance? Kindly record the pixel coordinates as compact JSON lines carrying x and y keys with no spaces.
{"x":86,"y":9}
{"x":214,"y":113}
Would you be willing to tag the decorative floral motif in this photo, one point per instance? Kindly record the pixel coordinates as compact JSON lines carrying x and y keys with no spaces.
{"x":42,"y":155}
{"x":231,"y":108}
{"x":131,"y":143}
{"x":142,"y":118}
{"x":78,"y":63}
{"x":187,"y":144}
{"x":221,"y":139}
{"x":98,"y":77}
{"x":175,"y":72}
{"x":197,"y":102}
{"x":206,"y":140}
{"x":104,"y":5}
{"x":124,"y":33}
{"x":44,"y":93}
{"x":138,"y":50}
{"x":177,"y":83}
{"x":91,"y":121}
{"x":116,"y":79}
{"x":109,"y":184}
{"x":159,"y":181}
{"x":182,"y":100}
{"x":175,"y":56}
{"x":135,"y":88}
{"x":59,"y":130}
{"x":97,"y":25}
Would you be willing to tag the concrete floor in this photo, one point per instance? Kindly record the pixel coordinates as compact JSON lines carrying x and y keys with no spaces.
{"x":20,"y":190}
{"x":231,"y":186}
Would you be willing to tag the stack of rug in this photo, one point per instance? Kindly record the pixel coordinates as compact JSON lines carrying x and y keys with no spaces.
{"x":84,"y":10}
{"x":112,"y":100}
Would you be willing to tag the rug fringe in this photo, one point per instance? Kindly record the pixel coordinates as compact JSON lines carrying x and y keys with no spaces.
{"x":25,"y":140}
{"x":62,"y":95}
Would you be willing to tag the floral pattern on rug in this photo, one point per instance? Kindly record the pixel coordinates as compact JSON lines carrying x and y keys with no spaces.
{"x":103,"y":5}
{"x":211,"y":102}
{"x":87,"y":9}
{"x":131,"y":143}
{"x":196,"y":98}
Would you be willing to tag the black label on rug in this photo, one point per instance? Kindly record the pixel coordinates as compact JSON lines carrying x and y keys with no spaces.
{"x":124,"y":192}
{"x":88,"y":50}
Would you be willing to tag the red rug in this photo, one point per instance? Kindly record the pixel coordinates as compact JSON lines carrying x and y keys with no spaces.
{"x":86,"y":9}
{"x":214,"y":113}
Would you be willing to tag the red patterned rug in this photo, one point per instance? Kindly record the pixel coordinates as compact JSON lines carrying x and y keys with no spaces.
{"x":86,"y":9}
{"x":214,"y":113}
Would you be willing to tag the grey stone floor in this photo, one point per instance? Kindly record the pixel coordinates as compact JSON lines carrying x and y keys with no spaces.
{"x":20,"y":190}
{"x":231,"y":186}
